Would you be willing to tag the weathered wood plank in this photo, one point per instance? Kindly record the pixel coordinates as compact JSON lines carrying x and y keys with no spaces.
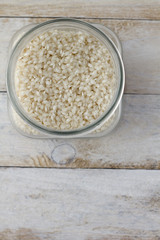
{"x":134,"y":144}
{"x":141,"y":51}
{"x":81,"y":204}
{"x":143,"y":9}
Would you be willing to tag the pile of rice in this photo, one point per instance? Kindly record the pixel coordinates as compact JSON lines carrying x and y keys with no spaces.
{"x":65,"y":79}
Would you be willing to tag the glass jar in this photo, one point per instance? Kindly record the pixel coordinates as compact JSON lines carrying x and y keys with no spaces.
{"x":28,"y":126}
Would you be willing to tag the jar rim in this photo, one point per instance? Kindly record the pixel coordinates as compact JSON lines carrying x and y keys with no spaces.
{"x":74,"y":132}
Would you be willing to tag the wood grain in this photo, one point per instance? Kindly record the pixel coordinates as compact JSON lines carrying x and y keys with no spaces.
{"x":55,"y":204}
{"x":95,"y":204}
{"x":143,"y":9}
{"x":141,"y":51}
{"x":133,"y":144}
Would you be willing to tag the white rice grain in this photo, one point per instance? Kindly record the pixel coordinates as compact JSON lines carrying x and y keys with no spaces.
{"x":65,"y":79}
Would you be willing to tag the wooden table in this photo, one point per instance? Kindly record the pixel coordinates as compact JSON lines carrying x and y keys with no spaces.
{"x":40,"y":201}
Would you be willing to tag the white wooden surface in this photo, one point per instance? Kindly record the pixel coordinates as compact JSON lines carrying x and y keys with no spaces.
{"x":132,"y":9}
{"x":139,"y":129}
{"x":71,"y":204}
{"x":141,"y":51}
{"x":134,"y":144}
{"x":79,"y":204}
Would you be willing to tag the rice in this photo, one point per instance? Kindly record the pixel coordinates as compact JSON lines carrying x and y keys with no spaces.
{"x":22,"y":126}
{"x":65,"y":79}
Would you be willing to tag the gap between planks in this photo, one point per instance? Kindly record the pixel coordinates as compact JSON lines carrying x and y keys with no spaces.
{"x":69,"y":168}
{"x":85,"y":18}
{"x":134,"y":94}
